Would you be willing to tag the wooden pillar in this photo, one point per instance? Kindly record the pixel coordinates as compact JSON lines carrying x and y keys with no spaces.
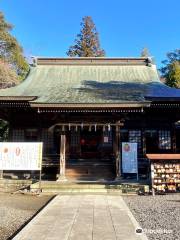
{"x":118,"y":152}
{"x":173,"y":134}
{"x":62,"y":159}
{"x":143,"y":142}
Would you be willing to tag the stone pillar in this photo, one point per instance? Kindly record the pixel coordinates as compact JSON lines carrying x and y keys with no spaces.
{"x":62,"y":159}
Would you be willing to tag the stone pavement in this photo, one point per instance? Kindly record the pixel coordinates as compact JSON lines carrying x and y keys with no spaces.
{"x":82,"y":217}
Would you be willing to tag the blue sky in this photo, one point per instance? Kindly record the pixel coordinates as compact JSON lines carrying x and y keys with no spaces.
{"x":49,"y":27}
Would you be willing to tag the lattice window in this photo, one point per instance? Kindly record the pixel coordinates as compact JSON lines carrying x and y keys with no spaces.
{"x":135,"y":136}
{"x":164,"y":139}
{"x":75,"y":138}
{"x":124,"y":135}
{"x":48,"y":140}
{"x":31,"y":135}
{"x":18,"y":135}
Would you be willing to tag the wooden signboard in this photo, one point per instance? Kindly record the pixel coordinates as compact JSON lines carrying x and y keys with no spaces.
{"x":165,"y":172}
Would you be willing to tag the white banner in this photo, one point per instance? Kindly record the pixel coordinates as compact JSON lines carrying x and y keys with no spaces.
{"x":129,"y":157}
{"x":20,"y":156}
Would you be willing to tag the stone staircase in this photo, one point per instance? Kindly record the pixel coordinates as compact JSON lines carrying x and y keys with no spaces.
{"x":93,"y":176}
{"x":53,"y":187}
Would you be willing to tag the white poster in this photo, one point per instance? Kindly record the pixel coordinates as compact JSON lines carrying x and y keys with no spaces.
{"x":129,"y":157}
{"x":20,"y":156}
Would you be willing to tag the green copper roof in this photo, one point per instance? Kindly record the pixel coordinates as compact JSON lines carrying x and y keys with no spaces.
{"x":90,"y":83}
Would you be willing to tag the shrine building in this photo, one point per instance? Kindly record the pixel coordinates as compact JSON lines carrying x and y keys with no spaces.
{"x":82,"y":109}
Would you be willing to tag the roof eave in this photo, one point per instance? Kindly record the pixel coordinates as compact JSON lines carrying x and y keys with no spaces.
{"x":91,"y":105}
{"x":163,"y":99}
{"x":18,"y":98}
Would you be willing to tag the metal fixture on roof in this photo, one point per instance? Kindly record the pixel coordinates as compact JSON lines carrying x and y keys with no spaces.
{"x":34,"y":61}
{"x":149,"y":61}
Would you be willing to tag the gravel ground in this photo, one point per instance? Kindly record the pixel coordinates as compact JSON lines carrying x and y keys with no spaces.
{"x":158,"y":216}
{"x":16,"y":209}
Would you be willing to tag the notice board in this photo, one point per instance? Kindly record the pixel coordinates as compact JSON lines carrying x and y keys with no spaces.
{"x":129,"y":157}
{"x":20,"y":156}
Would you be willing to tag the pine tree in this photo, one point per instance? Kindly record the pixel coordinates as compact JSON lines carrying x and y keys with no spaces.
{"x":87,"y":41}
{"x":10,"y":51}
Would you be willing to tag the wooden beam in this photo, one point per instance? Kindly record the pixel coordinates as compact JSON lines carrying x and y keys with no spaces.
{"x":89,"y":124}
{"x":91,"y":105}
{"x":163,"y":156}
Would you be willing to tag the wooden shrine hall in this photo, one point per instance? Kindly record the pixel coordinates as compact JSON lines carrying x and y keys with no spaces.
{"x":82,"y":109}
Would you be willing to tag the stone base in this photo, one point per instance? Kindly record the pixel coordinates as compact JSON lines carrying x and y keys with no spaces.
{"x":1,"y":174}
{"x":61,"y":179}
{"x":118,"y":178}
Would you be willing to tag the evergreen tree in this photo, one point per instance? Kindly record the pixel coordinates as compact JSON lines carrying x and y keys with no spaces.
{"x":173,"y":76}
{"x":87,"y":41}
{"x":171,"y":69}
{"x":10,"y":50}
{"x":8,"y":77}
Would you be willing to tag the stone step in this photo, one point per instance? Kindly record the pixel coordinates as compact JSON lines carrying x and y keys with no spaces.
{"x":68,"y":186}
{"x":81,"y":191}
{"x":86,"y":188}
